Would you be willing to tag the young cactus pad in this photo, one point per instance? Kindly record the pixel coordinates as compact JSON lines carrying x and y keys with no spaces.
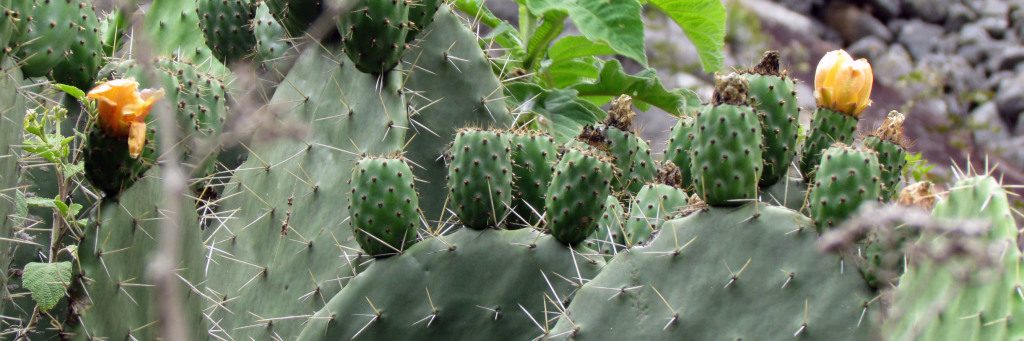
{"x":726,"y":162}
{"x":773,"y":95}
{"x":384,"y":206}
{"x":701,"y":277}
{"x":227,"y":27}
{"x":846,"y":178}
{"x":480,"y":177}
{"x":573,"y":202}
{"x":890,"y":144}
{"x":533,"y":160}
{"x":677,"y":149}
{"x":374,"y":33}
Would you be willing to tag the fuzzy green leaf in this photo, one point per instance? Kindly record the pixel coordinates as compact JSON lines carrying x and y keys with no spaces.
{"x":572,"y":47}
{"x":644,"y":86}
{"x":47,"y":282}
{"x":71,"y":90}
{"x":703,"y":21}
{"x":617,"y":23}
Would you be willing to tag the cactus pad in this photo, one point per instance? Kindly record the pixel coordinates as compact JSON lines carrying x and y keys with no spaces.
{"x":773,"y":95}
{"x":827,"y":127}
{"x":480,"y":177}
{"x":227,"y":27}
{"x":374,"y":33}
{"x":572,"y":203}
{"x":533,"y":157}
{"x":846,"y":178}
{"x":726,"y":162}
{"x":384,"y":206}
{"x":890,"y":144}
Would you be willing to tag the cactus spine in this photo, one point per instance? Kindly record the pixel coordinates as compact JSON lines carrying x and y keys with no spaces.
{"x":727,"y":160}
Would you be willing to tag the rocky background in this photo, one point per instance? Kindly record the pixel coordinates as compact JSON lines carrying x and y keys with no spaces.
{"x":956,"y":67}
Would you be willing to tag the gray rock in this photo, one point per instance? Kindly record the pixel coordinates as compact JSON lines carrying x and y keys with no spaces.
{"x":868,"y":47}
{"x":988,"y":128}
{"x":921,"y":38}
{"x":885,"y":9}
{"x":996,"y":26}
{"x":997,"y":78}
{"x":959,"y":15}
{"x":853,"y":23}
{"x":991,"y":8}
{"x":928,"y":10}
{"x":1008,"y":58}
{"x":893,"y":65}
{"x":1010,"y":98}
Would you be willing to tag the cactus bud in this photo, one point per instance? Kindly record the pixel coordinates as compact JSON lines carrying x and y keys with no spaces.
{"x":843,"y":84}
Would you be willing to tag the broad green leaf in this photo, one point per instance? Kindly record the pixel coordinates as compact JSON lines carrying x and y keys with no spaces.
{"x":71,"y":90}
{"x":703,"y":21}
{"x":616,"y":23}
{"x":47,"y":282}
{"x":565,"y":114}
{"x":644,"y":86}
{"x":572,"y":47}
{"x":563,"y":73}
{"x":537,"y":47}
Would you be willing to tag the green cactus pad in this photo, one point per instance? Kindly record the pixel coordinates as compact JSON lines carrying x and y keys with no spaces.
{"x":773,"y":95}
{"x":113,"y":288}
{"x":171,"y":29}
{"x":60,"y":39}
{"x":384,"y":206}
{"x":227,"y":27}
{"x":468,"y":285}
{"x":726,"y":162}
{"x":480,"y":177}
{"x":421,"y":15}
{"x":446,"y":94}
{"x":374,"y":33}
{"x":533,"y":157}
{"x":295,"y":15}
{"x":677,"y":149}
{"x":271,"y":41}
{"x":845,"y":179}
{"x":649,"y":209}
{"x":703,"y":276}
{"x":288,"y":247}
{"x":571,"y":203}
{"x":789,"y":192}
{"x":10,"y":24}
{"x":606,"y":238}
{"x":827,"y":127}
{"x":12,"y":112}
{"x":890,"y":144}
{"x":957,"y":296}
{"x":631,"y":154}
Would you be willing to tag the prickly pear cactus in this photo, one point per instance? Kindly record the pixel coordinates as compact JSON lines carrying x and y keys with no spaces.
{"x":572,"y":211}
{"x":374,"y":33}
{"x":533,"y":159}
{"x":108,"y":163}
{"x":295,"y":15}
{"x":949,"y":296}
{"x":678,"y":147}
{"x":451,"y":85}
{"x":754,"y":259}
{"x":652,"y":206}
{"x":421,"y":15}
{"x":384,"y":206}
{"x":605,"y":238}
{"x":726,"y":162}
{"x":227,"y":27}
{"x":467,"y":285}
{"x":115,"y":255}
{"x":10,"y":24}
{"x":480,"y":177}
{"x":890,"y":145}
{"x":827,"y":127}
{"x":271,"y":41}
{"x":773,"y":95}
{"x":846,"y":179}
{"x":60,"y":39}
{"x":12,"y":103}
{"x":289,"y":200}
{"x":171,"y":29}
{"x":631,"y":154}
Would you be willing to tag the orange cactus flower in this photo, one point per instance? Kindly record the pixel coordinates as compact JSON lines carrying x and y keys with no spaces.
{"x":843,"y":84}
{"x":123,"y":110}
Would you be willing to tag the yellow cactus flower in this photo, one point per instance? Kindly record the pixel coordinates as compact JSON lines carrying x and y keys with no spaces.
{"x":843,"y":84}
{"x":123,"y":110}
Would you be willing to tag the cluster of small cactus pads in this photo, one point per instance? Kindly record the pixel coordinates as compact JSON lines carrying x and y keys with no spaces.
{"x":414,"y":208}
